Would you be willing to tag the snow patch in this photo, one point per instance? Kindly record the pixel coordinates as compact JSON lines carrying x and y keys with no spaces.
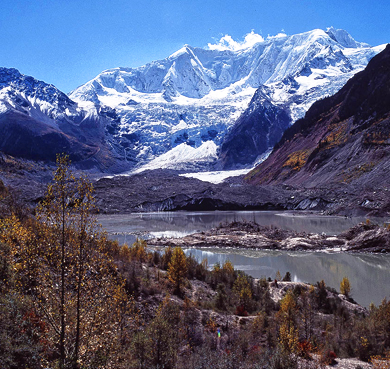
{"x":179,"y":52}
{"x":181,"y":154}
{"x":3,"y":108}
{"x":219,"y":176}
{"x":216,"y":177}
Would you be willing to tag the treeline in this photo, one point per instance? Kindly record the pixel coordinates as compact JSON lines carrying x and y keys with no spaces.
{"x":71,"y":298}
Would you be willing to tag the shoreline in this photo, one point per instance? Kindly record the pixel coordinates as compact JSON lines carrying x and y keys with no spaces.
{"x":363,"y":238}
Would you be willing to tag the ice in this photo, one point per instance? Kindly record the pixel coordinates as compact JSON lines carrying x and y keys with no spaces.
{"x":182,"y":153}
{"x":216,"y":177}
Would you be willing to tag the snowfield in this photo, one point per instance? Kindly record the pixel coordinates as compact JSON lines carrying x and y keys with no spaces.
{"x":217,"y":176}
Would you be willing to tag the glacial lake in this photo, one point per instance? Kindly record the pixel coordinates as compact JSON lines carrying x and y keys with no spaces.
{"x":368,"y":274}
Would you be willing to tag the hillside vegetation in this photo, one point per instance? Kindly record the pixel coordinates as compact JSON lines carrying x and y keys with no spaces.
{"x":71,"y":298}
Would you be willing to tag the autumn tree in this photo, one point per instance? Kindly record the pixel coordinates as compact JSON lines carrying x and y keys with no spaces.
{"x":345,"y":287}
{"x":243,"y":290}
{"x":381,"y":317}
{"x":278,"y":276}
{"x":228,"y":273}
{"x":138,"y":250}
{"x":288,"y":332}
{"x":163,"y":332}
{"x":63,"y":265}
{"x":166,"y":258}
{"x":55,"y":212}
{"x":177,"y":269}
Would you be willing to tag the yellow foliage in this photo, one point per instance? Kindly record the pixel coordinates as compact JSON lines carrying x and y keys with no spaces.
{"x":288,"y":338}
{"x":364,"y":342}
{"x":376,"y":138}
{"x":61,"y":262}
{"x":124,"y":252}
{"x":212,"y":325}
{"x":288,"y":307}
{"x":381,"y":362}
{"x":243,"y":290}
{"x":297,"y":159}
{"x":345,"y":287}
{"x":278,"y":276}
{"x":337,"y":136}
{"x":216,"y":268}
{"x":228,"y":267}
{"x":138,"y":250}
{"x":288,"y":333}
{"x":357,"y":171}
{"x":177,"y":268}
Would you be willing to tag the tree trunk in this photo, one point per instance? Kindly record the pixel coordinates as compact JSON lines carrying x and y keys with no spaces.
{"x":62,"y":307}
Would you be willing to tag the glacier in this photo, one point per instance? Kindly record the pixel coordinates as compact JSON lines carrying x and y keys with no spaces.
{"x":176,"y":112}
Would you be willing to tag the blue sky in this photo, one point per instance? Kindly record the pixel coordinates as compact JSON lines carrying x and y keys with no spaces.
{"x":68,"y":42}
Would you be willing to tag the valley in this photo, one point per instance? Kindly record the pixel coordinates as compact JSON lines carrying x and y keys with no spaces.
{"x":304,"y":118}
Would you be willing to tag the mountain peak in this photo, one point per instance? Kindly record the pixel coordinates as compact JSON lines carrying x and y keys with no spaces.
{"x":344,"y":38}
{"x":181,"y":51}
{"x":8,"y":74}
{"x":31,"y":87}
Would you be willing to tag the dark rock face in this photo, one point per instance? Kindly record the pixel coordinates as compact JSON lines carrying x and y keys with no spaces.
{"x":256,"y":131}
{"x":343,"y":141}
{"x":24,"y":137}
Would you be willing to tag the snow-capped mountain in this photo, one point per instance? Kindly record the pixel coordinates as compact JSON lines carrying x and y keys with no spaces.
{"x":342,"y":142}
{"x":196,"y":95}
{"x":37,"y":121}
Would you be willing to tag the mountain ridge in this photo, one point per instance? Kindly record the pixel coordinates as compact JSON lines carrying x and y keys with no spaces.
{"x":209,"y":89}
{"x":37,"y":121}
{"x":343,"y":140}
{"x":196,"y":101}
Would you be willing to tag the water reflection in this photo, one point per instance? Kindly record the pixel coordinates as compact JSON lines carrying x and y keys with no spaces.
{"x":126,"y":227}
{"x":369,"y":274}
